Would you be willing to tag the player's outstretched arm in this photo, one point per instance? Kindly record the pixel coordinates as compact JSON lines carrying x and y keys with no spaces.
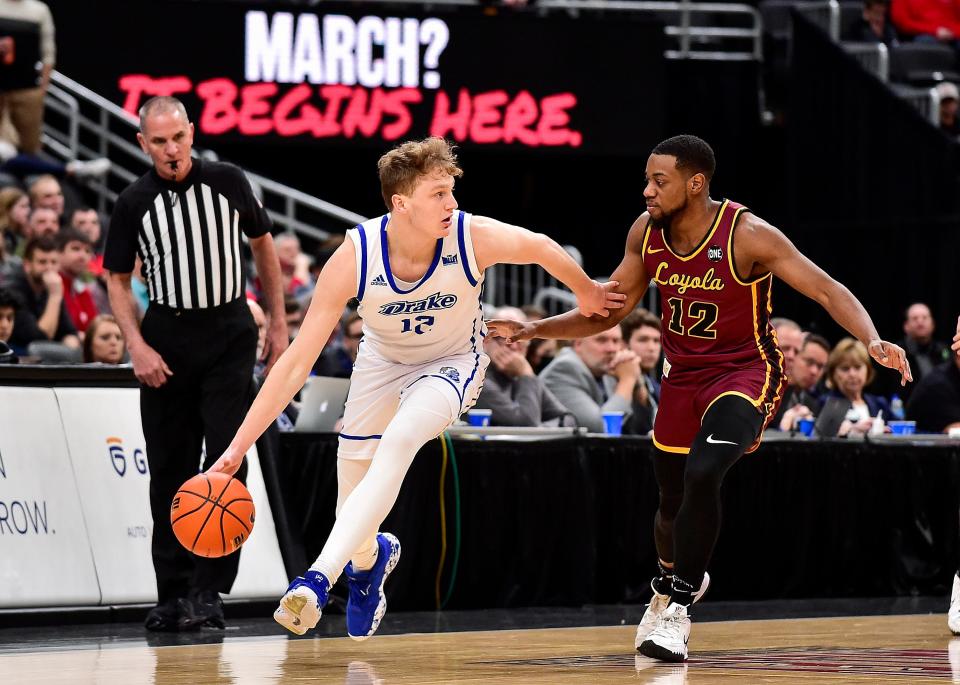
{"x":495,"y":242}
{"x":632,"y":282}
{"x":335,"y":286}
{"x":772,"y":251}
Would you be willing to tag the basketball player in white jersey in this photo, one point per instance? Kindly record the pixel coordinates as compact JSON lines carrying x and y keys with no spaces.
{"x":417,"y":273}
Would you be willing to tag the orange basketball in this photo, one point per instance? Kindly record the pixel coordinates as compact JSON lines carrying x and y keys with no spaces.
{"x":212,"y":514}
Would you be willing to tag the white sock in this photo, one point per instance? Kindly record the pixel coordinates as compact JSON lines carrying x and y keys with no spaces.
{"x":364,"y":560}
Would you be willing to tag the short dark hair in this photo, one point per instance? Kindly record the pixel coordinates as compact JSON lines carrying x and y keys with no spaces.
{"x":636,"y":319}
{"x":692,"y":153}
{"x":43,"y":243}
{"x":871,"y":3}
{"x":72,"y":235}
{"x":816,"y":340}
{"x":9,"y":300}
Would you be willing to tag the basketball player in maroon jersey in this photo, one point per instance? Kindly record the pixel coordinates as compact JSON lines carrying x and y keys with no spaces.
{"x":713,"y":263}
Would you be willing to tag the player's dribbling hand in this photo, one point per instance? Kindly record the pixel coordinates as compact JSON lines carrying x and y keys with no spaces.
{"x":893,"y":357}
{"x":228,"y":463}
{"x":149,"y":367}
{"x":511,"y":331}
{"x":599,"y":298}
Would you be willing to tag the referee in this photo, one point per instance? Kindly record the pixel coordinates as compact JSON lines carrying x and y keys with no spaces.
{"x":195,"y":351}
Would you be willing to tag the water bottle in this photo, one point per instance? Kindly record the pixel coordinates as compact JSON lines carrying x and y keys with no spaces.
{"x":896,"y":408}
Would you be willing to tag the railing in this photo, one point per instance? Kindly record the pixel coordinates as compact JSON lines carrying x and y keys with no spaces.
{"x":927,"y":100}
{"x":693,"y":38}
{"x":80,"y":124}
{"x":874,"y":57}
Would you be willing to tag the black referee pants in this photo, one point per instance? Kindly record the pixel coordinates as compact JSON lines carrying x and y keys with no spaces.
{"x":212,"y":354}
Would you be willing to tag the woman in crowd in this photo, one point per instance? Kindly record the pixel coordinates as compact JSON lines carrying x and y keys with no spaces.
{"x":14,"y":212}
{"x":848,"y":371}
{"x":103,"y":342}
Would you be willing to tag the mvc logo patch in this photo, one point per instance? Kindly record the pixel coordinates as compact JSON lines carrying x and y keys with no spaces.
{"x":449,"y":259}
{"x":450,"y":373}
{"x":714,"y":253}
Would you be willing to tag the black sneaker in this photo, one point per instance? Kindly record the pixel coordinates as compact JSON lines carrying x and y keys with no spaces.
{"x":164,"y":618}
{"x":201,"y":608}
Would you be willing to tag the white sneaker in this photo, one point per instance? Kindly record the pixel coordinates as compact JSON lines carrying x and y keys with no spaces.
{"x":94,"y":168}
{"x":668,"y":641}
{"x":953,"y":615}
{"x":302,"y":604}
{"x":658,"y":605}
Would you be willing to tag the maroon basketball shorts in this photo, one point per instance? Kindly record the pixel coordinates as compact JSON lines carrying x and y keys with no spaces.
{"x":687,"y":392}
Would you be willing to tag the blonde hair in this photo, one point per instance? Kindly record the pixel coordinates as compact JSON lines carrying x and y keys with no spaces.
{"x":848,"y":350}
{"x":403,"y":166}
{"x":9,"y":196}
{"x":91,"y":333}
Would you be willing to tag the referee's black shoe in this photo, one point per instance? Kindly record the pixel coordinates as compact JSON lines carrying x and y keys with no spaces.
{"x":164,"y":618}
{"x":201,"y":608}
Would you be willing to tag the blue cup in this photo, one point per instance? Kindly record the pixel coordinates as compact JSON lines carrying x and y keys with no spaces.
{"x":903,"y":427}
{"x":805,"y":426}
{"x":479,"y":417}
{"x":613,"y":422}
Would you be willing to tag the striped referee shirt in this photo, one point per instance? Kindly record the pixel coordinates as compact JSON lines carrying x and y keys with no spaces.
{"x":187,"y":233}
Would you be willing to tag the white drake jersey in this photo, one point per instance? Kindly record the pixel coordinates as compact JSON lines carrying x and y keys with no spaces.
{"x":436,"y":317}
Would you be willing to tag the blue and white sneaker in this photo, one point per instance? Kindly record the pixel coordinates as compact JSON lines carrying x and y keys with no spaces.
{"x":301,"y":606}
{"x":367,"y":604}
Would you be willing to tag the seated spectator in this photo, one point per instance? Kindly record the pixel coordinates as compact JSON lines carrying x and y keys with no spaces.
{"x":594,"y":375}
{"x":949,"y":97}
{"x":294,"y":311}
{"x":641,"y":331}
{"x":104,"y":343}
{"x":42,"y":222}
{"x":513,"y":393}
{"x":924,"y":350}
{"x":79,"y":287}
{"x":14,"y":216}
{"x":46,"y":192}
{"x":24,"y":164}
{"x":9,"y":304}
{"x":872,"y":26}
{"x":849,"y":370}
{"x":790,"y":337}
{"x":338,"y":357}
{"x":541,"y":352}
{"x":294,"y":266}
{"x":40,"y":288}
{"x":801,"y":399}
{"x":87,"y":221}
{"x":928,"y":21}
{"x":935,"y":403}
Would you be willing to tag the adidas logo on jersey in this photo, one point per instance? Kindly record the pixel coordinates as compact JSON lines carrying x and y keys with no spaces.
{"x":430,"y":303}
{"x":449,"y":259}
{"x":379,"y":280}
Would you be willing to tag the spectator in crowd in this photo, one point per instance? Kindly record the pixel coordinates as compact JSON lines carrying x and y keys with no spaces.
{"x":872,"y":25}
{"x":848,"y":372}
{"x":103,"y":343}
{"x":40,"y":288}
{"x":338,"y":356}
{"x":790,"y":337}
{"x":24,"y":104}
{"x":79,"y":288}
{"x":22,"y":165}
{"x":922,"y":349}
{"x":935,"y":403}
{"x":46,"y":192}
{"x":802,"y":398}
{"x":14,"y":217}
{"x":294,"y":312}
{"x":87,"y":221}
{"x":294,"y":266}
{"x":9,"y":304}
{"x":42,"y":222}
{"x":512,"y":391}
{"x":927,"y":20}
{"x":949,"y":98}
{"x":594,"y":375}
{"x":641,"y":331}
{"x":541,"y":352}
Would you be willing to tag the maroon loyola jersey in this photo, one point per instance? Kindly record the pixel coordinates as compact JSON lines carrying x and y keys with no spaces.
{"x":711,"y":317}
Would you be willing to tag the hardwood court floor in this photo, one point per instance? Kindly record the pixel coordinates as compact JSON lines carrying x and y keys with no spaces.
{"x":881,"y":649}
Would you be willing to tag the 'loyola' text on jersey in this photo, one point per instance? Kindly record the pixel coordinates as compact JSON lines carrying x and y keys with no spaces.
{"x":685,"y":282}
